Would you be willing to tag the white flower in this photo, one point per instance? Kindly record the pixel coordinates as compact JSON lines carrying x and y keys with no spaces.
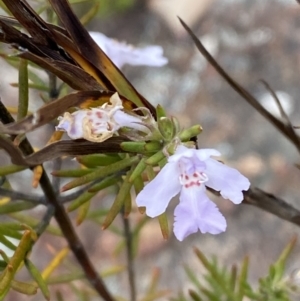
{"x":122,"y":53}
{"x":99,"y":124}
{"x":187,"y":172}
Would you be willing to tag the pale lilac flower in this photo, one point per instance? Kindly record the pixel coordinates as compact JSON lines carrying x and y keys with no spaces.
{"x":99,"y":124}
{"x":122,"y":53}
{"x":187,"y":172}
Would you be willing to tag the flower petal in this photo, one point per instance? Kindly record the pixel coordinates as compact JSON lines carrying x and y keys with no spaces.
{"x":122,"y":53}
{"x":72,"y":124}
{"x":201,"y":154}
{"x":227,"y":180}
{"x":124,"y":119}
{"x":157,"y":194}
{"x":196,"y":211}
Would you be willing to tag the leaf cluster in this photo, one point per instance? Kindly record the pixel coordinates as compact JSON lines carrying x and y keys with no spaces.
{"x":222,"y":284}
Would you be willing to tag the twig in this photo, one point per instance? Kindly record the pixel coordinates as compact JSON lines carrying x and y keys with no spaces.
{"x":15,"y":195}
{"x":272,"y":204}
{"x":129,"y":254}
{"x":45,"y":221}
{"x":269,"y":203}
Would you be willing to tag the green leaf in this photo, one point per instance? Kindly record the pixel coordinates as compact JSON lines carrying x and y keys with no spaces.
{"x":279,"y":265}
{"x":24,"y":287}
{"x":81,"y":200}
{"x":7,"y":243}
{"x":105,"y":183}
{"x":16,"y":206}
{"x":101,"y":172}
{"x":94,"y":160}
{"x":23,"y":89}
{"x":14,"y":263}
{"x":187,"y":134}
{"x":72,"y":173}
{"x":119,"y":201}
{"x":9,"y":169}
{"x":164,"y":226}
{"x":242,"y":280}
{"x":36,"y":275}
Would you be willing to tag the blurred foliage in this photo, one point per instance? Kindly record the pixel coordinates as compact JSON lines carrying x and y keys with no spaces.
{"x":109,"y":7}
{"x":104,"y":8}
{"x":220,"y":283}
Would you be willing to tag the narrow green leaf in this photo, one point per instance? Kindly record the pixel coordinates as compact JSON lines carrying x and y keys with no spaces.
{"x":11,"y":230}
{"x":210,"y":295}
{"x":65,"y":278}
{"x":160,"y":112}
{"x":242,"y":280}
{"x":7,"y":243}
{"x":82,"y":212}
{"x":4,"y":256}
{"x":195,"y":296}
{"x":138,"y":170}
{"x":127,"y":205}
{"x":101,"y":172}
{"x":153,"y":160}
{"x":72,"y":173}
{"x":94,"y":160}
{"x":279,"y":265}
{"x":10,"y":169}
{"x":36,"y":275}
{"x":233,"y":277}
{"x":138,"y":184}
{"x":24,"y":287}
{"x":15,"y":207}
{"x":133,"y":146}
{"x":107,"y":182}
{"x":14,"y":263}
{"x":119,"y":201}
{"x":187,"y":134}
{"x":3,"y":265}
{"x":153,"y":146}
{"x":81,"y":200}
{"x":86,"y":18}
{"x":23,"y":89}
{"x":164,"y":226}
{"x":192,"y":277}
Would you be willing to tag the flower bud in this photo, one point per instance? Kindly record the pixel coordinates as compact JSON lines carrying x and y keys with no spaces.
{"x":187,"y":134}
{"x":166,"y":128}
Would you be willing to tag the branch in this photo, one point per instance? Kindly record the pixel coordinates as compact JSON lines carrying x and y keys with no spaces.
{"x":272,"y":204}
{"x":269,"y":203}
{"x":63,"y":220}
{"x":15,"y":195}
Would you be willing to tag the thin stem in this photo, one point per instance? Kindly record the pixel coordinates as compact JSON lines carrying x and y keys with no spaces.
{"x":56,"y":180}
{"x":53,"y":91}
{"x":129,"y":254}
{"x":42,"y":226}
{"x":75,"y":244}
{"x":15,"y":195}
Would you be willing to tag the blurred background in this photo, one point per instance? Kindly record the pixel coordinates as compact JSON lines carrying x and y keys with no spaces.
{"x":252,"y":40}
